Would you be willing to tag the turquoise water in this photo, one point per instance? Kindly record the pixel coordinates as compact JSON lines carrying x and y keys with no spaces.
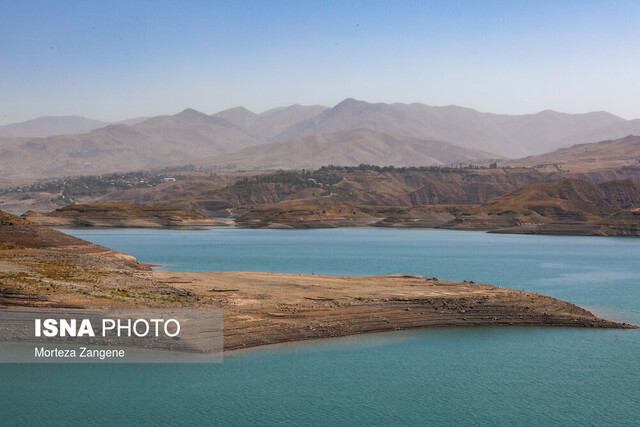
{"x":465,"y":376}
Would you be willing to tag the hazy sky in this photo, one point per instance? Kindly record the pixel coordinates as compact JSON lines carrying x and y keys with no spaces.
{"x":113,"y":60}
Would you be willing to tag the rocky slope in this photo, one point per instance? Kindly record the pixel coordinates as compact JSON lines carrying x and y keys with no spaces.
{"x":16,"y":232}
{"x":622,"y":223}
{"x":346,"y":148}
{"x":230,"y":194}
{"x":567,"y":207}
{"x":41,"y":267}
{"x":568,"y":198}
{"x":23,"y":236}
{"x":603,"y":155}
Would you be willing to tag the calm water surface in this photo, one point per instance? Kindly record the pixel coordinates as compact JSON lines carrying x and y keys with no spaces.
{"x":466,"y":376}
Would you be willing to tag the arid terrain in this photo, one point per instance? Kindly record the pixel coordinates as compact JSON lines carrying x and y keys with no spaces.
{"x":603,"y":155}
{"x":229,"y":194}
{"x":294,"y":137}
{"x":122,"y":215}
{"x":350,"y":197}
{"x":394,"y":165}
{"x":567,"y":207}
{"x":346,"y":148}
{"x":40,"y":267}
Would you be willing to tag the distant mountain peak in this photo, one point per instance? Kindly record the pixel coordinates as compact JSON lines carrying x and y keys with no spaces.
{"x":190,"y":112}
{"x":43,"y":127}
{"x":238,"y":110}
{"x":349,"y":102}
{"x":237,"y":116}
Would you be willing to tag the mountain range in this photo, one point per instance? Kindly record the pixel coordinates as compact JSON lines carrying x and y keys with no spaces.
{"x":43,"y":127}
{"x":293,"y":137}
{"x":510,"y":136}
{"x":345,"y":148}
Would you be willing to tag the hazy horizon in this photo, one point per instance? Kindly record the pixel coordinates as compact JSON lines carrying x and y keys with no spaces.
{"x":116,"y":60}
{"x":179,"y":110}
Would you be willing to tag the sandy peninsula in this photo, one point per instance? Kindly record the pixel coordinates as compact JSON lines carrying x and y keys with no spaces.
{"x":40,"y":267}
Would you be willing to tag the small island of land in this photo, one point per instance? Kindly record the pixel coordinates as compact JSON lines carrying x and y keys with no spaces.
{"x":122,"y":215}
{"x":41,"y":267}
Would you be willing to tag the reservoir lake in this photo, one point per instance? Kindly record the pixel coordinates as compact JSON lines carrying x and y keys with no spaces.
{"x":455,"y":376}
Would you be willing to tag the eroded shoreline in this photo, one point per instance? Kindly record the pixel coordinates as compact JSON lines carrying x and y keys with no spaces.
{"x":303,"y":307}
{"x":40,"y":267}
{"x":269,"y":308}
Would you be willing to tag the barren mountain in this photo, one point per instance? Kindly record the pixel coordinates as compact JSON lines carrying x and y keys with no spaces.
{"x":272,"y":122}
{"x":187,"y":137}
{"x":239,"y":116}
{"x":183,"y":137}
{"x":511,"y":136}
{"x":613,"y":131}
{"x":593,"y":156}
{"x":346,"y":148}
{"x":43,"y":127}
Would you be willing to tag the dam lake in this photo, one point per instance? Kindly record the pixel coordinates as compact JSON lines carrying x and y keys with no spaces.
{"x":456,"y":376}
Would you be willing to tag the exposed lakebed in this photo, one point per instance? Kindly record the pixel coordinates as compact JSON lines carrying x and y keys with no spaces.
{"x":461,"y":375}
